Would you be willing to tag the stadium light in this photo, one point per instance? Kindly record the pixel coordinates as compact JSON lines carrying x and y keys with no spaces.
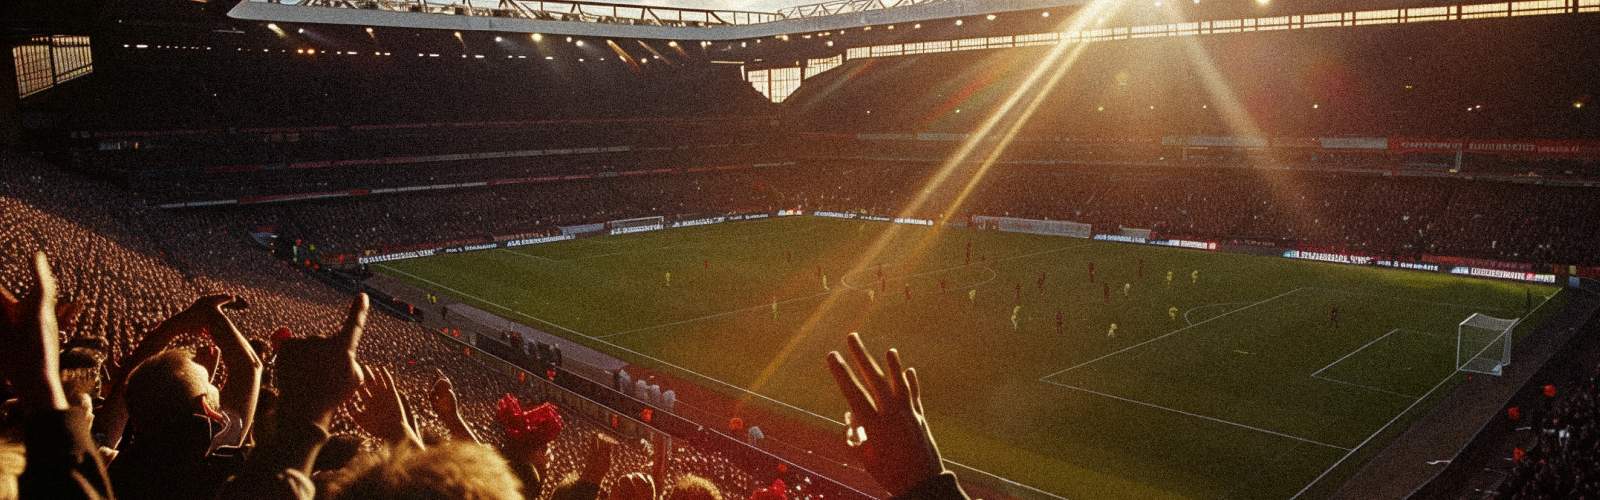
{"x":990,"y":17}
{"x":536,"y":37}
{"x":498,"y":39}
{"x":1044,"y":14}
{"x":917,"y":26}
{"x":673,"y":44}
{"x":1577,"y":104}
{"x":960,"y":22}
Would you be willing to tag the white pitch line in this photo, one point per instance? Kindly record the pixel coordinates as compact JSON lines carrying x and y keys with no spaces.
{"x":1397,"y":416}
{"x":618,"y":347}
{"x":1168,"y":334}
{"x":1199,"y":416}
{"x":1191,"y":323}
{"x":692,"y":372}
{"x":1353,"y":353}
{"x":1363,"y":386}
{"x":715,"y":315}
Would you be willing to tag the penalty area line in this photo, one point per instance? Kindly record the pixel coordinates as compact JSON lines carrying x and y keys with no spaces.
{"x":1199,"y":416}
{"x":1047,"y":378}
{"x":1402,"y":413}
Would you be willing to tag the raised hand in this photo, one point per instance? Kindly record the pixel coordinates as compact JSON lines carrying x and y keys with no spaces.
{"x":31,"y":353}
{"x":381,"y":410}
{"x":443,"y":394}
{"x":599,"y":463}
{"x":443,"y":397}
{"x":317,"y":374}
{"x":897,"y":446}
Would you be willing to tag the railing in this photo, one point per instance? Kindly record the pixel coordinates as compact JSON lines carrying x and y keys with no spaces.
{"x":846,"y":7}
{"x":575,"y":11}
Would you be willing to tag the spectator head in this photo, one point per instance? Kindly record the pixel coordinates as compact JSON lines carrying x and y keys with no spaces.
{"x":692,"y":487}
{"x":459,"y":470}
{"x":80,"y":371}
{"x":434,"y":436}
{"x":169,"y":389}
{"x":262,"y":348}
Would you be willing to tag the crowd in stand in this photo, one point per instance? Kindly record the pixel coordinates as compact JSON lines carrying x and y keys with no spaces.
{"x":1565,"y":462}
{"x":1358,"y":213}
{"x":142,"y":390}
{"x":165,"y":374}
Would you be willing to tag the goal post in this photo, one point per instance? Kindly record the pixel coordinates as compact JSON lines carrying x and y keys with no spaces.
{"x":1483,"y":344}
{"x":637,"y":225}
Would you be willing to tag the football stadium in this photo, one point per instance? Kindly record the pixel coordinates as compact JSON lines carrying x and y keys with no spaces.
{"x":773,"y":249}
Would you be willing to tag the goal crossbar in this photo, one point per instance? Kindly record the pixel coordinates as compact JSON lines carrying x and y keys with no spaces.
{"x":1483,"y":344}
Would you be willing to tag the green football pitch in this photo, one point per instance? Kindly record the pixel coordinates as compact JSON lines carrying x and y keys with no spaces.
{"x":1248,"y":391}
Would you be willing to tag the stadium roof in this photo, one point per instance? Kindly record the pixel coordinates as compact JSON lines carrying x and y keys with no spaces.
{"x":603,"y":19}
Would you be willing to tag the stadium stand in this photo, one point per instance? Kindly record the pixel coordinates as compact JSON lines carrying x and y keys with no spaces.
{"x":199,"y":155}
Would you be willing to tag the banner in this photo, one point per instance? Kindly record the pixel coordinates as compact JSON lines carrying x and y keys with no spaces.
{"x":636,"y":229}
{"x":1532,"y":147}
{"x":1119,"y":238}
{"x":698,"y":222}
{"x":397,"y":256}
{"x":538,"y":241}
{"x":1503,"y":274}
{"x":1196,"y":245}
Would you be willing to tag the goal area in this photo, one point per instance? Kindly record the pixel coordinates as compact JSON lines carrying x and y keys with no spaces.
{"x":1483,"y":344}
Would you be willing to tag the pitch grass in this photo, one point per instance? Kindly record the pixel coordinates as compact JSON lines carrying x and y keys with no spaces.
{"x":1220,"y":402}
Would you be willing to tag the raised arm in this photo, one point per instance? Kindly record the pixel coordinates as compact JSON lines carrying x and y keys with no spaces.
{"x":238,"y":397}
{"x":316,"y":375}
{"x":61,"y":458}
{"x":887,"y":424}
{"x":443,"y":397}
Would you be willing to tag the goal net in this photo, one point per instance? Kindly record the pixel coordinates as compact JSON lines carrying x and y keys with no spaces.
{"x":638,"y":225}
{"x":1033,"y":226}
{"x":1483,"y":344}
